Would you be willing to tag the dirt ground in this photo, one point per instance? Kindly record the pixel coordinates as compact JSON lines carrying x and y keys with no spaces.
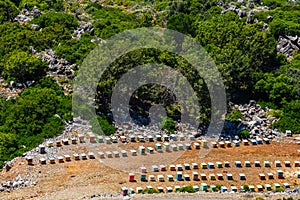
{"x":81,"y":179}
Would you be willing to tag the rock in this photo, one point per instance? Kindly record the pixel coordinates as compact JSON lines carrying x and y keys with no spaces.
{"x":287,"y":45}
{"x":57,"y":116}
{"x":249,"y":19}
{"x":252,"y":103}
{"x":266,"y":27}
{"x":19,"y":85}
{"x":11,"y":83}
{"x":35,"y":12}
{"x":8,"y":166}
{"x":35,"y":27}
{"x":92,"y":31}
{"x":242,"y":13}
{"x":270,"y":18}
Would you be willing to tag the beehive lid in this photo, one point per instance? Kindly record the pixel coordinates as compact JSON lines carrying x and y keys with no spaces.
{"x":262,"y":175}
{"x":176,"y":187}
{"x":267,"y":185}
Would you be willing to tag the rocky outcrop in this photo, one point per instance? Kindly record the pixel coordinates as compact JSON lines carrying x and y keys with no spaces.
{"x":83,"y":28}
{"x":26,"y":16}
{"x":255,"y":119}
{"x":10,"y":90}
{"x":288,"y":45}
{"x":59,"y":68}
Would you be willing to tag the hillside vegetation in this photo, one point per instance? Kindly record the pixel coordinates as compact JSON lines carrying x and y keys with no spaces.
{"x":243,"y":48}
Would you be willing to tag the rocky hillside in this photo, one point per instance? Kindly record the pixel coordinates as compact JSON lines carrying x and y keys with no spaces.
{"x":254,"y":44}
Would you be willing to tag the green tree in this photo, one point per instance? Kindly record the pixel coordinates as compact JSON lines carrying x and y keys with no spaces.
{"x":8,"y":11}
{"x":22,"y":66}
{"x":244,"y":134}
{"x":169,"y":125}
{"x":51,"y":18}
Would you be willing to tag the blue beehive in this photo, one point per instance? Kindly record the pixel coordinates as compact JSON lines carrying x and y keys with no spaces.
{"x":179,"y":176}
{"x":224,"y":189}
{"x":186,"y":166}
{"x":238,"y":163}
{"x":259,"y":141}
{"x":196,"y":188}
{"x":42,"y":149}
{"x":154,"y":168}
{"x":211,"y":165}
{"x":253,"y":142}
{"x":187,"y":146}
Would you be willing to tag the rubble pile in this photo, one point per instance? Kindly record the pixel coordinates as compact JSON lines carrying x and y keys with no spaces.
{"x":255,"y":119}
{"x":16,"y":183}
{"x":26,"y":16}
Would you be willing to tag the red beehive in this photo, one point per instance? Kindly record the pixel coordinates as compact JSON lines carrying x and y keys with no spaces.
{"x":131,"y":177}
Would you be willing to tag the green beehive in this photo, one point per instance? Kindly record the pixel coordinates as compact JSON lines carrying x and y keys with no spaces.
{"x":247,"y":164}
{"x":213,"y":188}
{"x":203,"y":186}
{"x":219,"y":164}
{"x":143,"y":177}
